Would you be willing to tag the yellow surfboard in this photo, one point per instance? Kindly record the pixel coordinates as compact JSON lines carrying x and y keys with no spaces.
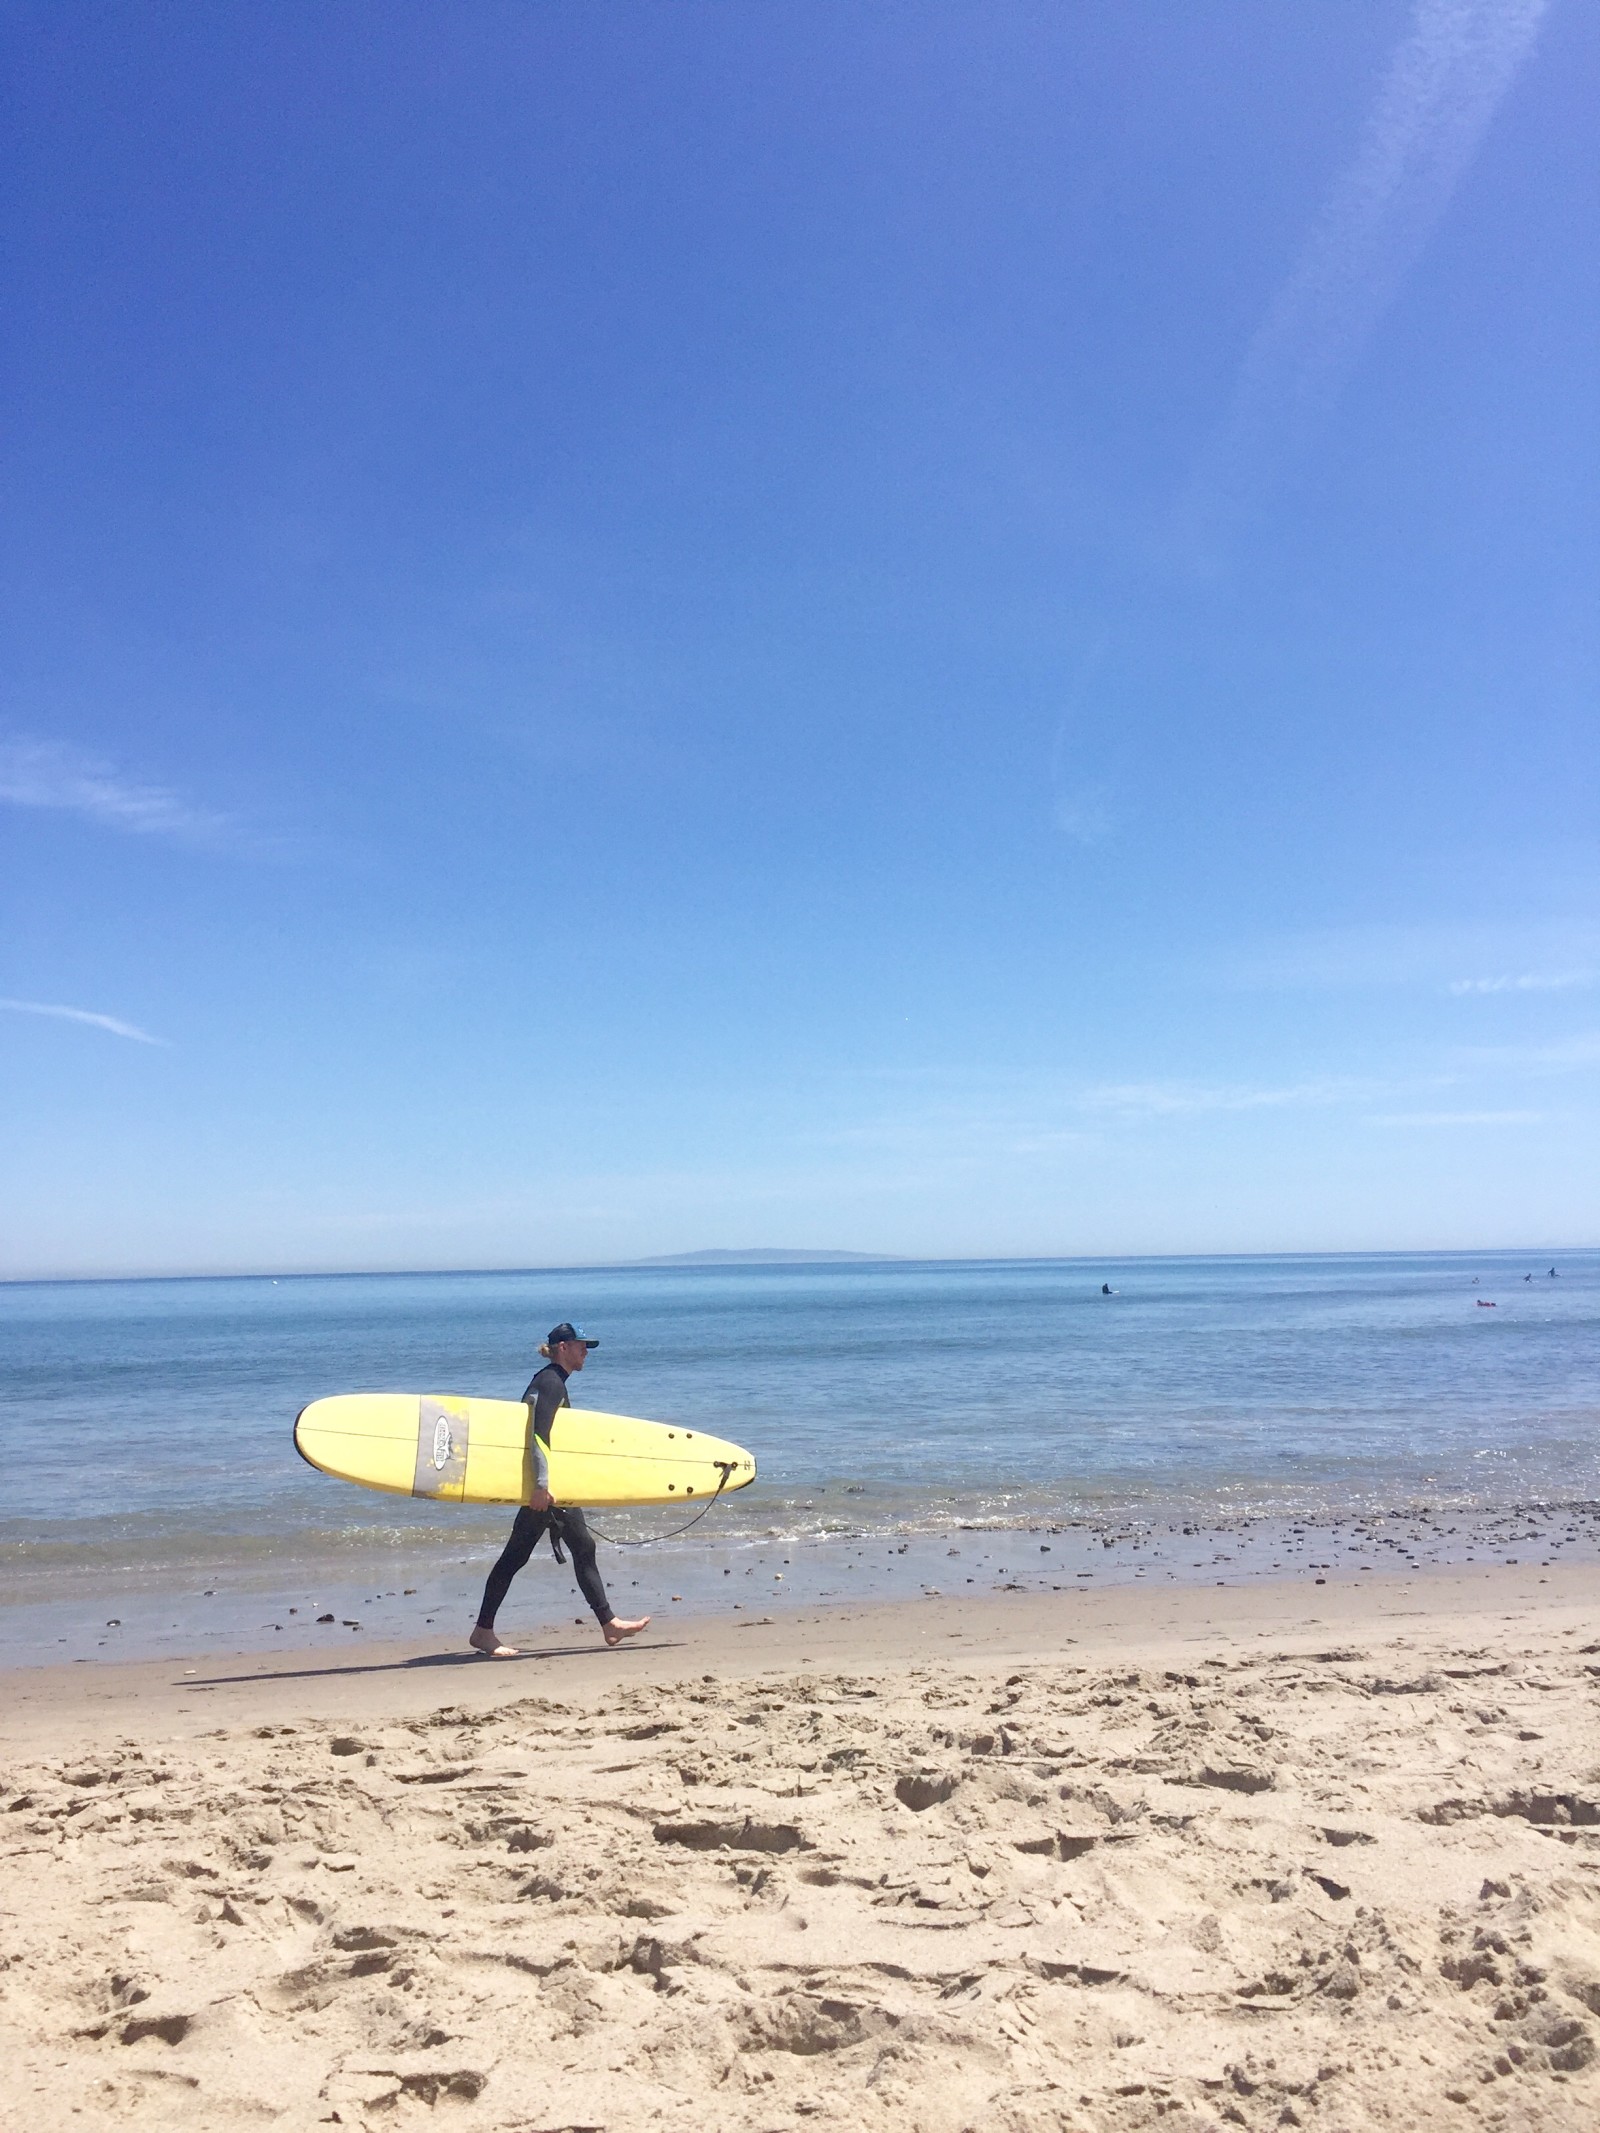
{"x":476,"y":1451}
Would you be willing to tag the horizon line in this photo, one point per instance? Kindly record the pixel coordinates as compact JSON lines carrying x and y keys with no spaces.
{"x":682,"y":1263}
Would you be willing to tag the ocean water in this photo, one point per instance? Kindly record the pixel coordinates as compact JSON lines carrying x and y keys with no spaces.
{"x":147,"y":1425}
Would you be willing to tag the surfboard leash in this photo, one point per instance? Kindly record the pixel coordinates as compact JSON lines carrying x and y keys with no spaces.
{"x":724,"y":1468}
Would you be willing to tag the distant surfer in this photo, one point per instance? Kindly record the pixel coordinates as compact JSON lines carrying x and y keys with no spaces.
{"x":567,"y":1350}
{"x":1106,"y":1289}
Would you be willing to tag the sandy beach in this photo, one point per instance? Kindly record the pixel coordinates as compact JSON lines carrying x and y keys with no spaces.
{"x":1262,"y":1856}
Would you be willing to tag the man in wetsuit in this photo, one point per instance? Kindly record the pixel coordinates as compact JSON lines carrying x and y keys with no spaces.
{"x":546,"y":1396}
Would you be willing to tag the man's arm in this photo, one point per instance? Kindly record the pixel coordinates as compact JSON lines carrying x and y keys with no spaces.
{"x":539,"y":1497}
{"x":545,"y":1396}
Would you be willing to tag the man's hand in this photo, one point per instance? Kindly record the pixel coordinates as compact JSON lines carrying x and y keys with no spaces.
{"x":540,"y":1500}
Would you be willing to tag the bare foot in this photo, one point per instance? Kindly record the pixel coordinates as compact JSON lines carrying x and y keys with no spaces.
{"x":485,"y":1640}
{"x":616,"y":1629}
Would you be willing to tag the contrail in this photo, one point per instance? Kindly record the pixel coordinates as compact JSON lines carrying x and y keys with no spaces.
{"x":82,"y":1014}
{"x":1443,"y":86}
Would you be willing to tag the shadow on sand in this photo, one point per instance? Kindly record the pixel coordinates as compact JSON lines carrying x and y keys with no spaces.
{"x":422,"y":1660}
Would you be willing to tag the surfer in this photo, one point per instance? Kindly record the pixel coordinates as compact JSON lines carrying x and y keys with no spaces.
{"x":568,"y":1350}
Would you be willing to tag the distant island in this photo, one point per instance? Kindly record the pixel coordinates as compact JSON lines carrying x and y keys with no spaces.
{"x":764,"y":1255}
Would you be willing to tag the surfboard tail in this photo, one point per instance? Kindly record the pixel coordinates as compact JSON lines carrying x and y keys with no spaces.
{"x":299,"y":1447}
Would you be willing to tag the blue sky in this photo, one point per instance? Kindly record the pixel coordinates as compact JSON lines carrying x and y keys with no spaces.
{"x":947,"y":628}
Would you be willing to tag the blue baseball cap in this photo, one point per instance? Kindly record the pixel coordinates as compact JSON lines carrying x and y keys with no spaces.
{"x":567,"y":1331}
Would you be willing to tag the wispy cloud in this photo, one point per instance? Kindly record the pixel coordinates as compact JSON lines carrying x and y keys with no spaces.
{"x":1086,"y":816}
{"x":1026,"y":1118}
{"x":1461,"y":1118}
{"x":1443,"y":86}
{"x":1086,"y":756}
{"x":1530,"y":981}
{"x":51,"y":774}
{"x":113,"y":1023}
{"x":946,"y":1119}
{"x":1565,"y":1055}
{"x":1185,"y":1099}
{"x":1545,"y":957}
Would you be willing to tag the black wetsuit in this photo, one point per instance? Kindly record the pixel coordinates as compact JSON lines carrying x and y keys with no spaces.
{"x":546,"y":1395}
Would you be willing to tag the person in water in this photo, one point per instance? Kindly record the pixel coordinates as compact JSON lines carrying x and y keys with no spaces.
{"x":546,"y":1395}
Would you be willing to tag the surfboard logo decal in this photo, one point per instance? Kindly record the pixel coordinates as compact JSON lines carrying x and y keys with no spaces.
{"x":443,"y":1432}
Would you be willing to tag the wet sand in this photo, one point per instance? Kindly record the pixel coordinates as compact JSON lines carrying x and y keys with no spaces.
{"x":1260,"y":1854}
{"x":50,"y":1612}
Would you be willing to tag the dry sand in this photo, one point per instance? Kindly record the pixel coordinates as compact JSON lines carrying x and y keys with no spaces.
{"x":1265,"y":1858}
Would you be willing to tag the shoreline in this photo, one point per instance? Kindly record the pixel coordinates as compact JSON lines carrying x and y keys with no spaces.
{"x":570,"y":1660}
{"x":394,"y":1595}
